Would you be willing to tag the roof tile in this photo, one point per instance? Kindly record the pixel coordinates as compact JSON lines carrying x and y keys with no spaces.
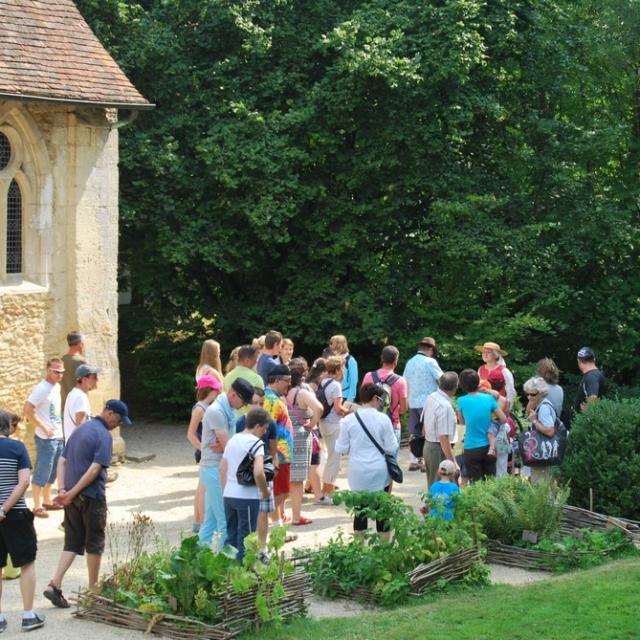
{"x":47,"y":50}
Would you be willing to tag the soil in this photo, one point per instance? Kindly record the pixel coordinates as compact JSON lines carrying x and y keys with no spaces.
{"x":163,"y":489}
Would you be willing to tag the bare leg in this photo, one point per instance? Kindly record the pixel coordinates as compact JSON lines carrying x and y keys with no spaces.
{"x":28,"y":585}
{"x":46,"y":494}
{"x":296,"y":490}
{"x":66,"y":560}
{"x":36,"y":492}
{"x":93,"y":567}
{"x":327,"y":489}
{"x":314,"y":481}
{"x":280,"y":505}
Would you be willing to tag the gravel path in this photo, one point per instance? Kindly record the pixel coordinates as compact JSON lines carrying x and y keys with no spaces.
{"x":163,"y":489}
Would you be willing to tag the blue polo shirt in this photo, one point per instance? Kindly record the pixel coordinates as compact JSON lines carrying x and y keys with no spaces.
{"x":90,"y":442}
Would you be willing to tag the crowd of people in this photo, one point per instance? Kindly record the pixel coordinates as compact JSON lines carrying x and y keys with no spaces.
{"x":267,"y":429}
{"x":272,"y":406}
{"x":74,"y":451}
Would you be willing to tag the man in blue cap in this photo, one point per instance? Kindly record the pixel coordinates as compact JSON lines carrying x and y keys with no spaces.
{"x":82,"y":472}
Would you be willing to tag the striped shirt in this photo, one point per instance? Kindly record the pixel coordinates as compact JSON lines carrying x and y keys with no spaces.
{"x":13,"y":457}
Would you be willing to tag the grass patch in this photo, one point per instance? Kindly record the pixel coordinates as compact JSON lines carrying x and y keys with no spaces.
{"x":599,"y":603}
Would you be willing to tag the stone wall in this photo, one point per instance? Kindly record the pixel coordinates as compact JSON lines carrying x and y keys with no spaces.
{"x":71,"y":249}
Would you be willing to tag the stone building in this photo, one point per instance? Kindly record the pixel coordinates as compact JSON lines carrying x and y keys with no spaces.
{"x":62,"y":101}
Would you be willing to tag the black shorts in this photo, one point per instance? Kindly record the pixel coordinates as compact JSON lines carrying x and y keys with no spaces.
{"x":18,"y":538}
{"x":85,"y":520}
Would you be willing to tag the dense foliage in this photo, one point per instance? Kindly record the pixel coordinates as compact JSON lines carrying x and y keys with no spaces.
{"x":385,"y":169}
{"x":191,"y":580}
{"x":505,"y":507}
{"x":373,"y":562}
{"x":589,"y":549}
{"x":603,"y":454}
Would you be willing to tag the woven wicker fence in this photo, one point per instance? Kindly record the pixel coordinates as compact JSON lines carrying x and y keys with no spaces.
{"x":239,"y":612}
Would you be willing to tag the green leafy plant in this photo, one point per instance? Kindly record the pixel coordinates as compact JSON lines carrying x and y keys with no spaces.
{"x":588,"y":549}
{"x":192,"y":579}
{"x":379,"y":564}
{"x":505,"y":507}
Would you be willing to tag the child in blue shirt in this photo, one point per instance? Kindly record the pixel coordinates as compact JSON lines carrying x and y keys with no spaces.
{"x":443,"y":492}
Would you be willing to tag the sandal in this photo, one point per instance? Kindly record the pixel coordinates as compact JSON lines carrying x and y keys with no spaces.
{"x":52,"y":507}
{"x":54,"y":595}
{"x":302,"y":522}
{"x":40,"y":512}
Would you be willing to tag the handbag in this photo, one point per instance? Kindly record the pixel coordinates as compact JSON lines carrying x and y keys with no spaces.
{"x":539,"y":450}
{"x":395,"y":472}
{"x":244,"y":473}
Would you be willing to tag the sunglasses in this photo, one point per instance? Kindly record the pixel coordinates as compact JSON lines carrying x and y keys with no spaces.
{"x":58,"y":371}
{"x":532,"y":395}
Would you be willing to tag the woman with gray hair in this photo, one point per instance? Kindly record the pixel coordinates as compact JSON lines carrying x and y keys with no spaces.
{"x":542,"y":417}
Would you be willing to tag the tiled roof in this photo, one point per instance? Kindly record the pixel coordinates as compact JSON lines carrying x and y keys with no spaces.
{"x":48,"y":51}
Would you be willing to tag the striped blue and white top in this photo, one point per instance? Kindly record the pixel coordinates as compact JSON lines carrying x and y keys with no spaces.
{"x":13,"y":457}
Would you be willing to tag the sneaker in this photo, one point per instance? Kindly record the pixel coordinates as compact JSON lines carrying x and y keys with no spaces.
{"x":29,"y":624}
{"x":325,"y":500}
{"x":264,"y":557}
{"x":3,"y":625}
{"x":54,"y":595}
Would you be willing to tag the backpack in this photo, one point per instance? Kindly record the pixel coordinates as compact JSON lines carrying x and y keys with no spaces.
{"x":322,"y":397}
{"x":389,"y":381}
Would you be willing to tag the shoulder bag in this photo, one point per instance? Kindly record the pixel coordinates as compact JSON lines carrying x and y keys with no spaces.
{"x":244,"y":473}
{"x":538,"y":450}
{"x":392,"y":464}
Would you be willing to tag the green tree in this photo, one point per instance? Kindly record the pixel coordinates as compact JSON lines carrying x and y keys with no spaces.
{"x":384,"y":169}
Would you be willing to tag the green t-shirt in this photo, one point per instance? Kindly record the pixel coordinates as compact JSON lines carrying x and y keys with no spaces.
{"x":249,"y":375}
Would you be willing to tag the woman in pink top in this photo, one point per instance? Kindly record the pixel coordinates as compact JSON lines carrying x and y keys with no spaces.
{"x":493,"y":358}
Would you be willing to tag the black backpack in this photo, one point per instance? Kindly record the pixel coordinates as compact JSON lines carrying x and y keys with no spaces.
{"x":322,"y":397}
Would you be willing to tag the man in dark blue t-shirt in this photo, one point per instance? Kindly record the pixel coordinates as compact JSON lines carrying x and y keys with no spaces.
{"x":81,"y":491}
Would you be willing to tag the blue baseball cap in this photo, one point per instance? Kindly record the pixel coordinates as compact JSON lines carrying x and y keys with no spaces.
{"x":117,"y":406}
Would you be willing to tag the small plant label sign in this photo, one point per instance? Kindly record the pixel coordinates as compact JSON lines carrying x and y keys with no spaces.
{"x":530,"y":536}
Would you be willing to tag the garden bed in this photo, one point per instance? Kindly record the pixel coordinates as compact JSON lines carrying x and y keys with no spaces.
{"x":449,"y":568}
{"x":239,"y":612}
{"x":575,"y":518}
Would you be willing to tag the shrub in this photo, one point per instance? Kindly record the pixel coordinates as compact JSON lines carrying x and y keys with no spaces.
{"x":604,"y":454}
{"x":505,"y":507}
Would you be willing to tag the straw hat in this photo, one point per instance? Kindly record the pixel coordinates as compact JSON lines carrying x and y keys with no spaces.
{"x":493,"y":346}
{"x":427,"y":342}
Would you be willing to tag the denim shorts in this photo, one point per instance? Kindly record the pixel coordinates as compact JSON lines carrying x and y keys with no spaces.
{"x":47,"y":453}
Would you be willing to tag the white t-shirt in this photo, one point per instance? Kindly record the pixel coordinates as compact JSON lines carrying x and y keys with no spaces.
{"x":77,"y":401}
{"x":234,"y":453}
{"x":332,"y":391}
{"x":46,"y":399}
